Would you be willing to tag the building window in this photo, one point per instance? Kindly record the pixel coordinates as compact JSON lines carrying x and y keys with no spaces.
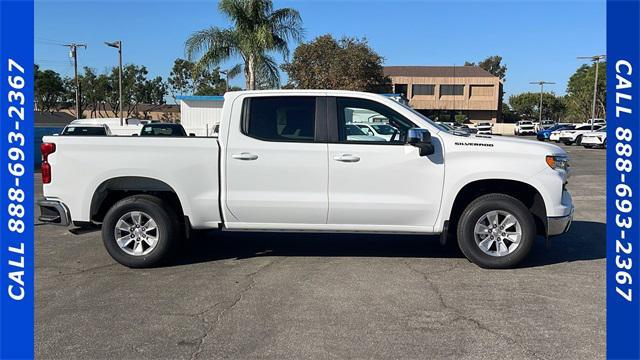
{"x":481,"y":90}
{"x":401,"y":89}
{"x":456,"y":90}
{"x":421,"y":89}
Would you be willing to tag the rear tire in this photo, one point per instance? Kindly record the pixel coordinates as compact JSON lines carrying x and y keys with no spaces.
{"x":579,"y":140}
{"x":139,"y":232}
{"x":498,"y":248}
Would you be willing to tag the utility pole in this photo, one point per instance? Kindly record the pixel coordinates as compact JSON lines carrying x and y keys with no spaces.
{"x":596,"y":59}
{"x":73,"y":47}
{"x":541,"y":83}
{"x":118,"y":45}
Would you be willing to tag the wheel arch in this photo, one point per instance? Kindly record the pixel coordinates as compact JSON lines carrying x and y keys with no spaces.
{"x":115,"y":189}
{"x":522,"y":191}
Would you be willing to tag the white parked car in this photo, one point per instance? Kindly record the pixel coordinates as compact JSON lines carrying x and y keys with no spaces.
{"x":524,"y":127}
{"x":130,"y":127}
{"x":596,"y":138}
{"x":78,"y":129}
{"x":600,"y":122}
{"x":384,"y":131}
{"x":283,"y":163}
{"x":484,"y":128}
{"x":355,"y":133}
{"x":574,"y":136}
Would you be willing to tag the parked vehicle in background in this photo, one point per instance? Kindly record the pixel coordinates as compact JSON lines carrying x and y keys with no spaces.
{"x":463,"y":128}
{"x":163,"y":129}
{"x":285,"y":160}
{"x":484,"y":128}
{"x":574,"y":136}
{"x":130,"y":127}
{"x":384,"y":131}
{"x":555,"y":135}
{"x":545,"y":134}
{"x":524,"y":127}
{"x":596,"y":138}
{"x":86,"y":130}
{"x":600,"y":122}
{"x":545,"y":124}
{"x":357,"y":134}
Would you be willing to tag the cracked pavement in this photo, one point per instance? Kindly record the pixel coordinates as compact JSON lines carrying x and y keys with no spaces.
{"x":328,"y":296}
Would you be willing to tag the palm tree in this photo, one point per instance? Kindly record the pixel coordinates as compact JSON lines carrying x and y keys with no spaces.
{"x":257,"y":31}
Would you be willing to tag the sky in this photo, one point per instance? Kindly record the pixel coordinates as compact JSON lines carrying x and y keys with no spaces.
{"x":538,"y":40}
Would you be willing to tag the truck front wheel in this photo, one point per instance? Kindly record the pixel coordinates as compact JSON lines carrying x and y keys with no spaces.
{"x":139,"y":232}
{"x":496,"y":231}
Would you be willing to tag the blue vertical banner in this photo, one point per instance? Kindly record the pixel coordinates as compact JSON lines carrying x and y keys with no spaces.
{"x":16,"y":179}
{"x":623,"y":180}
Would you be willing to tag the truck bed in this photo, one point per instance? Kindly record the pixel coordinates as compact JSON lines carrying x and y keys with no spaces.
{"x":188,"y":165}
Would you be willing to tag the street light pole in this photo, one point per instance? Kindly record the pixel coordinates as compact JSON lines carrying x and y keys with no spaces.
{"x":596,"y":59}
{"x":541,"y":83}
{"x":226,"y":79}
{"x":118,"y":45}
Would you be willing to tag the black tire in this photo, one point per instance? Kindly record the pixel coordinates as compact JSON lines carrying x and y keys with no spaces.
{"x":579,"y":140}
{"x":167,"y":230}
{"x":475,"y":210}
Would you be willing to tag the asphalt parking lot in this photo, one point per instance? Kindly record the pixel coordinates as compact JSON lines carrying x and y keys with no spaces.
{"x":299,"y":296}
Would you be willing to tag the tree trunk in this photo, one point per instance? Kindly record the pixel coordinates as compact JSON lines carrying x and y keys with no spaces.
{"x":251,"y":71}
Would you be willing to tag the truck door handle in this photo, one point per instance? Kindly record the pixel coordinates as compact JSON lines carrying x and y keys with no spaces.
{"x":245,"y":156}
{"x":346,"y":158}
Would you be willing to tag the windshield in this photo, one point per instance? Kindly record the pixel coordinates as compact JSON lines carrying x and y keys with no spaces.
{"x":86,"y":131}
{"x":384,"y":129}
{"x":526,"y":123}
{"x":163,"y":130}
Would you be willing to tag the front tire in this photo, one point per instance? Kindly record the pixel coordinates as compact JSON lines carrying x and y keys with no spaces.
{"x":496,"y":231}
{"x":139,"y":232}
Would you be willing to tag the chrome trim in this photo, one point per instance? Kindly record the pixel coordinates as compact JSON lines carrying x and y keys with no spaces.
{"x":559,"y":225}
{"x":63,"y":219}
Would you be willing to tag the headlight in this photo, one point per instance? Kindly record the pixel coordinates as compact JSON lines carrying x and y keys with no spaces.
{"x":558,"y":162}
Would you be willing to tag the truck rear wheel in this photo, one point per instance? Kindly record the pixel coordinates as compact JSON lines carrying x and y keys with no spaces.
{"x":496,"y":231}
{"x":139,"y":232}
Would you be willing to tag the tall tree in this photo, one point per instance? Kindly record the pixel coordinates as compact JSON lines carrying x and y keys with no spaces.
{"x":493,"y":64}
{"x":580,"y":92}
{"x":48,"y":89}
{"x":257,"y":31}
{"x":527,"y":105}
{"x":136,"y":89}
{"x":327,"y":63}
{"x":187,"y":79}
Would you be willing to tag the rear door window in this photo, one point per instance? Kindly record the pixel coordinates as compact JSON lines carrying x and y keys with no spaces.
{"x":280,"y":118}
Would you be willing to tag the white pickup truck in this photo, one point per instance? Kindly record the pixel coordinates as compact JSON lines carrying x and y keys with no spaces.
{"x":283,"y":162}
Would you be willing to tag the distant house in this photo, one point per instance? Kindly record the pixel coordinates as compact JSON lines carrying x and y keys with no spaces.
{"x":443,"y":90}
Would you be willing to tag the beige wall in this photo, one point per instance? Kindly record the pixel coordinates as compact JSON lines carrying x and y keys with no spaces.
{"x":480,"y":99}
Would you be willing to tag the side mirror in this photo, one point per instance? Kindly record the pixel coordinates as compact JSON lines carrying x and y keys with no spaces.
{"x":192,"y":134}
{"x":421,"y":138}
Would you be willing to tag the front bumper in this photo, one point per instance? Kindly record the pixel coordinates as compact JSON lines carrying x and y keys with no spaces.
{"x":560,"y":224}
{"x":566,"y":139}
{"x":592,"y":141}
{"x":54,"y":212}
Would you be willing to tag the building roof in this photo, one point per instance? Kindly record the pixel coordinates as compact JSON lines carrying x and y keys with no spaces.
{"x":58,"y":118}
{"x":436,"y":71}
